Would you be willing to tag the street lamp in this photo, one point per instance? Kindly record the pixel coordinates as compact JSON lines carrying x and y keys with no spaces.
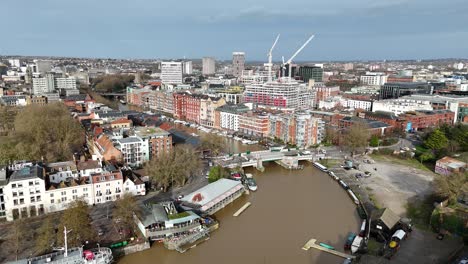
{"x":65,"y":232}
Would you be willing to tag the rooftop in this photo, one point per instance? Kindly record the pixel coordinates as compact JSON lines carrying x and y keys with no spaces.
{"x":210,"y":192}
{"x":129,"y":140}
{"x":151,"y":132}
{"x":28,"y":172}
{"x":451,"y":163}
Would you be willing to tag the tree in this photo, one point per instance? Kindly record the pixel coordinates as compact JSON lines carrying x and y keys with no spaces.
{"x":18,"y":235}
{"x":357,"y":136}
{"x":374,"y":141}
{"x":124,"y":210}
{"x":47,"y":132}
{"x":46,"y":235}
{"x":436,"y":140}
{"x":78,"y":223}
{"x":216,"y":173}
{"x":214,"y":143}
{"x":175,"y":167}
{"x":425,"y":156}
{"x":112,"y":83}
{"x":450,"y":186}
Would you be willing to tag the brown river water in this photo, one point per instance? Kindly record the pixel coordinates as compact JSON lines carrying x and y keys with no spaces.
{"x":288,"y":209}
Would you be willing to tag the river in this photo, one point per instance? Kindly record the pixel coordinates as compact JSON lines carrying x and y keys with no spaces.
{"x":289,"y":208}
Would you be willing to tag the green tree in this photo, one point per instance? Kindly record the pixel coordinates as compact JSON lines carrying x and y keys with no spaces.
{"x":46,"y":235}
{"x":112,"y":83}
{"x":425,"y":156}
{"x":436,"y":140}
{"x":357,"y":136}
{"x":217,"y":172}
{"x":77,"y":220}
{"x":374,"y":141}
{"x":175,"y":167}
{"x":124,"y":210}
{"x":214,"y":143}
{"x":449,"y":187}
{"x":47,"y":132}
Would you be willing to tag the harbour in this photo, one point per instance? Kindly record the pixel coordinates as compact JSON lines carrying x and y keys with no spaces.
{"x":291,"y":206}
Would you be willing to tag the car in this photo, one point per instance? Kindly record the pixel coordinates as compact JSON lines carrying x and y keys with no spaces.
{"x":367,"y":173}
{"x":100,"y":232}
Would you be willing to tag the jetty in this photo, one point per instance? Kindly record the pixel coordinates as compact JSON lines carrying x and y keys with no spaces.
{"x":242,"y":209}
{"x":311,"y":244}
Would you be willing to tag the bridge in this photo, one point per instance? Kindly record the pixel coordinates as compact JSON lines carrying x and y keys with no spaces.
{"x":286,"y":158}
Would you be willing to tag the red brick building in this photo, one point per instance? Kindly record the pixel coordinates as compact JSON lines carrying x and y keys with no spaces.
{"x":425,"y":119}
{"x":187,"y":107}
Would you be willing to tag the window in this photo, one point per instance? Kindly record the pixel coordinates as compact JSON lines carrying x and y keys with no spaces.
{"x":37,"y":183}
{"x":64,"y":193}
{"x":38,"y":198}
{"x":20,"y":193}
{"x":20,"y":185}
{"x":13,"y":185}
{"x":31,"y":183}
{"x":75,"y":191}
{"x":51,"y":200}
{"x":64,"y":199}
{"x":33,"y":199}
{"x":75,"y":197}
{"x":15,"y":202}
{"x":21,"y":201}
{"x":15,"y":194}
{"x":52,"y":195}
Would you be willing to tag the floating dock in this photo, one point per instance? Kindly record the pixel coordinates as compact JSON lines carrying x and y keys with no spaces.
{"x":242,"y":209}
{"x":311,"y":243}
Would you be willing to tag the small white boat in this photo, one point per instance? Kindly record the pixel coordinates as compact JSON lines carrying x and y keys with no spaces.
{"x":252,"y":142}
{"x":250,"y":181}
{"x":245,"y":141}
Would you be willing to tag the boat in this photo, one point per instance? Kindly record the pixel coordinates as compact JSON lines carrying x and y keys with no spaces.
{"x":250,"y":181}
{"x":349,"y":240}
{"x":100,"y":255}
{"x":252,"y":142}
{"x":326,"y":246}
{"x":356,"y":245}
{"x":236,"y":176}
{"x":123,"y":102}
{"x":245,"y":141}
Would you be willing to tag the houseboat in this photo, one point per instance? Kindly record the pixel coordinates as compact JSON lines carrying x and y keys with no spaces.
{"x":250,"y":181}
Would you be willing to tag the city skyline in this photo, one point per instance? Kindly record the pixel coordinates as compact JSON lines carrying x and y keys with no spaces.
{"x":390,"y":30}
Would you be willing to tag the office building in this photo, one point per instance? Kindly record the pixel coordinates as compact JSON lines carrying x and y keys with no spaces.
{"x":227,"y":116}
{"x":374,"y":78}
{"x":50,"y":83}
{"x":396,"y":90}
{"x":209,"y":66}
{"x":42,"y":66}
{"x":171,"y":72}
{"x":310,"y":73}
{"x":238,"y":61}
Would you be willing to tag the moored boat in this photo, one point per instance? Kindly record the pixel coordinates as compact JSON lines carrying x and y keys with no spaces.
{"x":250,"y":181}
{"x":326,"y":246}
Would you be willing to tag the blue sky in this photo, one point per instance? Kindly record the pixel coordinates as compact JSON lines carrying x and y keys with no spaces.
{"x":344,"y":29}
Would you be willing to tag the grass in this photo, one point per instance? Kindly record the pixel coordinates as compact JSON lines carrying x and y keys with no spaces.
{"x":413,"y":163}
{"x":420,"y":213}
{"x":179,"y":215}
{"x":373,"y":246}
{"x":374,"y":201}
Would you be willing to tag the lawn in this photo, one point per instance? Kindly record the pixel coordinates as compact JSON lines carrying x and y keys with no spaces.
{"x":179,"y":215}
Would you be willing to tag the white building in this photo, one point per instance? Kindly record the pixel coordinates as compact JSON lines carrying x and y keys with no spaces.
{"x":399,"y":106}
{"x":3,"y":183}
{"x":107,"y":186}
{"x":171,"y":72}
{"x":15,"y":62}
{"x":66,"y":83}
{"x":374,"y":78}
{"x":134,"y":186}
{"x":135,"y":150}
{"x":59,"y":196}
{"x":49,"y":84}
{"x":208,"y":66}
{"x":24,"y":193}
{"x":187,"y":67}
{"x":42,"y":66}
{"x":229,"y":116}
{"x":338,"y":101}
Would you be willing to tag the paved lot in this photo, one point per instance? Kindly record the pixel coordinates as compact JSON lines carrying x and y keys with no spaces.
{"x":420,"y":247}
{"x":393,"y":184}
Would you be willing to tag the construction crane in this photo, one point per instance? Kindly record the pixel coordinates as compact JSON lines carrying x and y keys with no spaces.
{"x":295,"y":54}
{"x":269,"y":65}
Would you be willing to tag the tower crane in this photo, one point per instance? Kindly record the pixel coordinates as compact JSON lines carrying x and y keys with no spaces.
{"x":288,"y":62}
{"x":269,"y":65}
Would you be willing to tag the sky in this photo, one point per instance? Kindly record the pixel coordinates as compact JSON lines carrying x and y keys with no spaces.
{"x":343,"y":29}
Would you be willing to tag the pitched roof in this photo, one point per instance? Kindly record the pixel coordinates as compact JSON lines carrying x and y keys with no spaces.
{"x":387,"y":216}
{"x":121,"y":121}
{"x":89,"y":164}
